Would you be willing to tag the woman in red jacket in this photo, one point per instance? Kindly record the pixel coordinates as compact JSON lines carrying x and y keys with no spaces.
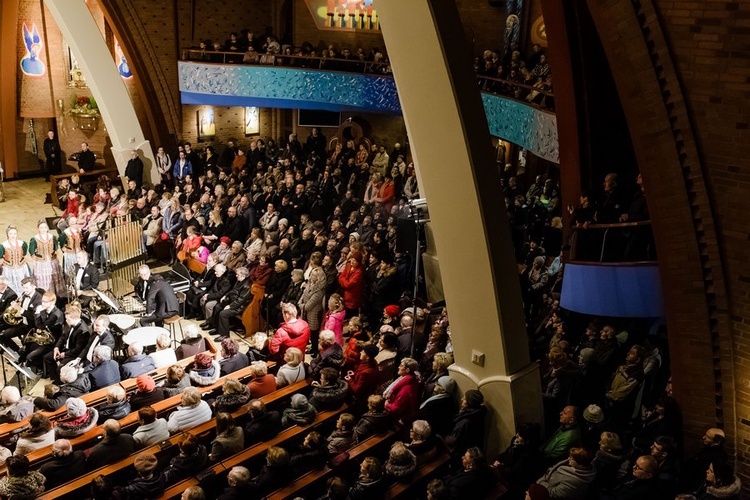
{"x":293,"y":332}
{"x":352,"y":281}
{"x":402,"y":396}
{"x":363,"y":381}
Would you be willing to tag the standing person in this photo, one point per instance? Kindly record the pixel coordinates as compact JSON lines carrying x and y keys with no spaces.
{"x":51,"y":146}
{"x":71,"y":244}
{"x":182,"y":167}
{"x":13,"y":259}
{"x":43,"y":250}
{"x":352,"y":281}
{"x":164,"y":164}
{"x":86,"y":159}
{"x":134,"y":169}
{"x":293,"y":332}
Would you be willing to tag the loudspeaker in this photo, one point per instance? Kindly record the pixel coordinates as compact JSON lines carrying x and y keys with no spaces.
{"x":406,"y":235}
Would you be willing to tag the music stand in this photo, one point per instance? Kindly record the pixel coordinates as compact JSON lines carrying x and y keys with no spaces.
{"x":111,"y":303}
{"x":6,"y":354}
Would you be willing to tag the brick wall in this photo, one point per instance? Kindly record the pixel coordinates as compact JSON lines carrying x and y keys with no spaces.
{"x":483,"y":24}
{"x":229,"y":121}
{"x":710,"y":43}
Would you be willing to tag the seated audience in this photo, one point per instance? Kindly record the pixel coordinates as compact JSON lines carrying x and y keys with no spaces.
{"x":115,"y":446}
{"x":234,"y":394}
{"x":262,"y":383}
{"x":342,"y":438}
{"x":571,"y":478}
{"x":151,"y":430}
{"x":192,"y":459}
{"x":232,"y":359}
{"x":177,"y":380}
{"x":137,"y":362}
{"x":375,"y":420}
{"x":78,"y":419}
{"x":264,"y":424}
{"x":164,"y":354}
{"x":311,"y":454}
{"x":149,"y":482}
{"x":65,"y":464}
{"x":146,"y":394}
{"x":117,"y":405}
{"x":370,"y":483}
{"x":40,"y":434}
{"x":330,"y":392}
{"x":21,"y":482}
{"x":401,"y":462}
{"x":293,"y":369}
{"x":191,"y":412}
{"x":230,"y":438}
{"x":205,"y":370}
{"x":301,"y":412}
{"x":423,"y":443}
{"x":473,"y":480}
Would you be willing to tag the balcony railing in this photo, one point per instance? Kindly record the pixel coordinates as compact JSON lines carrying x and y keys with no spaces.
{"x":541,"y":97}
{"x":630,"y":242}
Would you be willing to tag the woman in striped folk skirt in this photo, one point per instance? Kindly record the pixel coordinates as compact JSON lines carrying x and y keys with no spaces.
{"x":70,"y":244}
{"x":13,"y":260}
{"x":47,"y":271}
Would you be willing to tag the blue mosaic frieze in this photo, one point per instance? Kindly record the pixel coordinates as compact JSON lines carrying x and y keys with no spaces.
{"x":269,"y":86}
{"x":524,"y":125}
{"x":326,"y":89}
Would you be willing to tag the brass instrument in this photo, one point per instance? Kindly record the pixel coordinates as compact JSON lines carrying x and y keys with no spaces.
{"x":12,"y":314}
{"x":39,"y":336}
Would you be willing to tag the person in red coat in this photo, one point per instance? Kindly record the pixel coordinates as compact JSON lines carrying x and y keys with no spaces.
{"x":263,"y":383}
{"x":352,"y":281}
{"x":363,"y":381}
{"x":402,"y":396}
{"x":293,"y":332}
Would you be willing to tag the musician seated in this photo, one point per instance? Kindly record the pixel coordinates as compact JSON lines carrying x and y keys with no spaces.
{"x":161,"y":300}
{"x":48,"y":324}
{"x":86,"y":278}
{"x":137,"y":362}
{"x":103,"y":371}
{"x":101,"y":336}
{"x":75,"y":336}
{"x":147,"y":393}
{"x":13,"y":407}
{"x":26,"y":304}
{"x":164,"y":354}
{"x":7,"y":294}
{"x":74,"y":385}
{"x":192,"y":344}
{"x":231,"y":305}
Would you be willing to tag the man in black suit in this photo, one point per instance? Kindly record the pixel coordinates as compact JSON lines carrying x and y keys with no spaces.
{"x":47,"y":317}
{"x":7,"y":295}
{"x":27,"y":303}
{"x":74,"y":338}
{"x":52,"y":152}
{"x":134,"y":169}
{"x":232,"y":304}
{"x":161,"y":301}
{"x":86,"y":278}
{"x":102,"y":336}
{"x":86,"y":159}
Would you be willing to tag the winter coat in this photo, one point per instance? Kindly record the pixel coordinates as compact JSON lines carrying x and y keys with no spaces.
{"x":60,"y":470}
{"x":234,"y":363}
{"x":137,"y":365}
{"x":729,"y":492}
{"x":148,"y":434}
{"x":352,"y":281}
{"x":116,"y":410}
{"x":175,"y":389}
{"x":439,"y":411}
{"x":261,"y":386}
{"x":372,"y":423}
{"x":290,"y":334}
{"x":231,"y":402}
{"x":468,"y":429}
{"x":301,"y":412}
{"x":104,"y":374}
{"x":142,"y":399}
{"x":311,"y":302}
{"x":288,"y":375}
{"x":474,"y":483}
{"x":185,"y":417}
{"x":368,"y":490}
{"x":142,"y":488}
{"x":263,"y":428}
{"x":329,"y":397}
{"x":566,"y":482}
{"x":556,"y":448}
{"x":339,"y":441}
{"x":22,"y":488}
{"x":334,"y":321}
{"x":402,"y":401}
{"x":207,"y":376}
{"x":332,"y":356}
{"x":402,"y":469}
{"x":227,"y":444}
{"x":27,"y":444}
{"x":183,"y":466}
{"x":110,"y":450}
{"x":75,"y":389}
{"x":364,"y":382}
{"x":72,"y":427}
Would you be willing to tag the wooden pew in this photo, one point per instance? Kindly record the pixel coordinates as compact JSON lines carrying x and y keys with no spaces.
{"x":78,"y":487}
{"x":250,"y":453}
{"x":316,"y":477}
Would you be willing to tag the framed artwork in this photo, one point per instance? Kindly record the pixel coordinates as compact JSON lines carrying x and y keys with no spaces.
{"x":252,"y":121}
{"x":206,"y":125}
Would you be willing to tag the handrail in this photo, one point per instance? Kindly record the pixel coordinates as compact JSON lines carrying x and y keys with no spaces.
{"x":606,"y":228}
{"x":515,"y":84}
{"x":278,"y":60}
{"x":616,"y":225}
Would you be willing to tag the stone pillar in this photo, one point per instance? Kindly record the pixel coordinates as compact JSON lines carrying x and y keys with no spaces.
{"x":84,"y":37}
{"x":455,"y":163}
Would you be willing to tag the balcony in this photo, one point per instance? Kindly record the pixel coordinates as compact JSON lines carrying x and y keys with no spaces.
{"x":303,"y":82}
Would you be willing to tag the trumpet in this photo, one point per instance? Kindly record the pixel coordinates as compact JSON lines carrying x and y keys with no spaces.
{"x":12,"y":314}
{"x":39,"y":336}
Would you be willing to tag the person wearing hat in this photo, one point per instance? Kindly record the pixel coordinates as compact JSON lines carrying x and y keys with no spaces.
{"x":300,"y":413}
{"x":78,"y":419}
{"x":592,"y":426}
{"x":468,"y":425}
{"x":150,"y":483}
{"x":205,"y":370}
{"x":115,"y":446}
{"x":439,"y":409}
{"x":147,"y":394}
{"x":385,"y":289}
{"x":363,"y":380}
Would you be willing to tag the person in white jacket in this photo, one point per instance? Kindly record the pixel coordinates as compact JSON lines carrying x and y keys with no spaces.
{"x":193,"y":411}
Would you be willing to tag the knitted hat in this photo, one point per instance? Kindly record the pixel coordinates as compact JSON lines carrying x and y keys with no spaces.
{"x":283,"y":222}
{"x":76,"y":407}
{"x":299,"y":401}
{"x":473,"y":398}
{"x":371,"y":350}
{"x":202,"y":360}
{"x":593,"y":414}
{"x":145,"y":462}
{"x":538,"y":492}
{"x":225,"y":239}
{"x":392,"y":310}
{"x":449,"y":385}
{"x":145,"y":383}
{"x":355,"y":235}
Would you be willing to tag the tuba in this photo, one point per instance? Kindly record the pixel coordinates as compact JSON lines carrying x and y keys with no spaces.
{"x":12,"y":314}
{"x":39,"y":336}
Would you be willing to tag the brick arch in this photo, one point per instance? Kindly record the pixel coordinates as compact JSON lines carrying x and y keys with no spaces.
{"x":681,"y":210}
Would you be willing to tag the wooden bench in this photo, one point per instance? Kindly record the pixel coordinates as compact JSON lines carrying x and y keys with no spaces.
{"x":93,"y":176}
{"x":316,"y":477}
{"x":250,"y":453}
{"x":78,"y":487}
